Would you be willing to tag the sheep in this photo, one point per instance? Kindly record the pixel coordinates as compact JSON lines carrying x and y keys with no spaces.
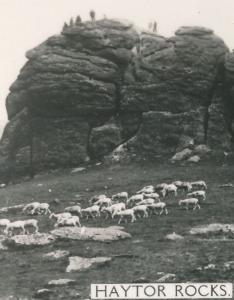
{"x":199,"y":185}
{"x":91,"y":211}
{"x":156,"y":206}
{"x":103,"y":202}
{"x":4,"y":223}
{"x":146,"y":190}
{"x":74,"y":209}
{"x":14,"y":225}
{"x":43,"y":208}
{"x":134,"y":199}
{"x":197,"y":194}
{"x":141,"y":209}
{"x":160,"y":186}
{"x":114,"y":208}
{"x":169,"y":189}
{"x":152,"y":195}
{"x":146,"y":202}
{"x":31,"y":223}
{"x":183,"y":186}
{"x":72,"y":221}
{"x":188,"y":201}
{"x":96,"y":198}
{"x":63,"y":215}
{"x":125,"y":214}
{"x":123,"y":196}
{"x":30,"y":206}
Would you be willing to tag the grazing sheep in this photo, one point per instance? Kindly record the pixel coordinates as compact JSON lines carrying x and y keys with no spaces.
{"x":201,"y":195}
{"x":169,"y":189}
{"x":30,"y":206}
{"x":160,"y":186}
{"x":63,"y":215}
{"x":152,"y":195}
{"x":74,"y":209}
{"x":156,"y":206}
{"x":146,"y":190}
{"x":134,"y":199}
{"x":9,"y":230}
{"x":123,"y":196}
{"x":113,"y":209}
{"x":92,"y":211}
{"x":139,"y":209}
{"x":146,"y":202}
{"x":4,"y":223}
{"x":125,"y":214}
{"x":96,"y":198}
{"x":103,"y":202}
{"x":183,"y":186}
{"x":43,"y":208}
{"x":190,"y":201}
{"x":31,"y":223}
{"x":72,"y":221}
{"x":201,"y":185}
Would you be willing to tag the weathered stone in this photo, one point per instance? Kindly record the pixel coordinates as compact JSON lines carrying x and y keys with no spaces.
{"x":212,"y":228}
{"x":11,"y":209}
{"x":77,"y":263}
{"x":43,"y":293}
{"x":167,"y":278}
{"x":39,"y":239}
{"x":174,"y":237}
{"x":60,"y":282}
{"x":194,"y":159}
{"x":182,"y":155}
{"x":56,"y":255}
{"x":111,"y":233}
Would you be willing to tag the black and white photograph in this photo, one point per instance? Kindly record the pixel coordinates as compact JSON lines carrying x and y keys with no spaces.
{"x":116,"y":149}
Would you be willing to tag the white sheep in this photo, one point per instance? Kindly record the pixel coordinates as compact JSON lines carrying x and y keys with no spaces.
{"x":152,"y":195}
{"x":160,"y":186}
{"x":72,"y":221}
{"x":139,"y":209}
{"x":169,"y":189}
{"x":74,"y":209}
{"x":146,"y":190}
{"x":4,"y":222}
{"x":158,"y":206}
{"x":103,"y":202}
{"x":146,"y":202}
{"x":42,"y":208}
{"x":190,"y":201}
{"x":201,"y":195}
{"x":199,"y":185}
{"x":58,"y":216}
{"x":125,"y":214}
{"x":96,"y":198}
{"x":123,"y":196}
{"x":134,"y":199}
{"x":31,"y":223}
{"x":92,"y":211}
{"x":114,"y":208}
{"x":183,"y":186}
{"x":30,"y":206}
{"x":10,"y":227}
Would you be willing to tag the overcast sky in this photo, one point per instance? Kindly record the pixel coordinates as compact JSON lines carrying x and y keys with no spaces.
{"x":26,"y":23}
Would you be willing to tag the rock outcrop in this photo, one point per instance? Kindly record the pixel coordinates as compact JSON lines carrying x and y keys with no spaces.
{"x":99,"y":84}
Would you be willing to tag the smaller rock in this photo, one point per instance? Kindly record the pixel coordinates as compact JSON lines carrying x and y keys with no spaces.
{"x":43,"y":293}
{"x":174,"y":237}
{"x":77,"y":263}
{"x":210,"y":267}
{"x":229,"y":265}
{"x":37,"y":239}
{"x":201,"y":150}
{"x":167,"y":278}
{"x":80,"y":169}
{"x":57,"y":254}
{"x":226,"y":185}
{"x":40,"y":184}
{"x":181,"y":155}
{"x":2,"y":185}
{"x":59,"y":282}
{"x":194,"y":159}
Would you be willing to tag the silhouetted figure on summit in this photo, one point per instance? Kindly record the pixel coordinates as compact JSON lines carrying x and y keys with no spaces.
{"x":92,"y":15}
{"x":155,"y":27}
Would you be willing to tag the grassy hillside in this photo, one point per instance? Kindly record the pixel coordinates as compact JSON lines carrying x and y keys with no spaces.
{"x":25,"y":271}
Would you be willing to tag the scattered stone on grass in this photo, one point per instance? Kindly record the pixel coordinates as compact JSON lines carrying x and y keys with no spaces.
{"x":181,"y":155}
{"x":57,"y":254}
{"x":43,"y":294}
{"x":112,"y":233}
{"x":75,"y":170}
{"x":77,"y":263}
{"x":62,"y":281}
{"x":212,"y":228}
{"x":167,"y":278}
{"x":226,"y":185}
{"x":12,"y":208}
{"x":37,"y":239}
{"x":194,"y":159}
{"x":174,"y":237}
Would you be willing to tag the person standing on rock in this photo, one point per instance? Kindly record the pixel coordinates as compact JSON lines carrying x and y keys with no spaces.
{"x":92,"y":15}
{"x":155,"y":27}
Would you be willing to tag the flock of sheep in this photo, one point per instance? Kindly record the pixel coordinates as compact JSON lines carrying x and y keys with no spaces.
{"x":145,"y":202}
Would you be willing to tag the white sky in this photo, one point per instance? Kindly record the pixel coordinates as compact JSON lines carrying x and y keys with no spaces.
{"x":26,"y":23}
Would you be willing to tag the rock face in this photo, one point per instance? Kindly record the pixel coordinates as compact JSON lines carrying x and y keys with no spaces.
{"x":96,"y":85}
